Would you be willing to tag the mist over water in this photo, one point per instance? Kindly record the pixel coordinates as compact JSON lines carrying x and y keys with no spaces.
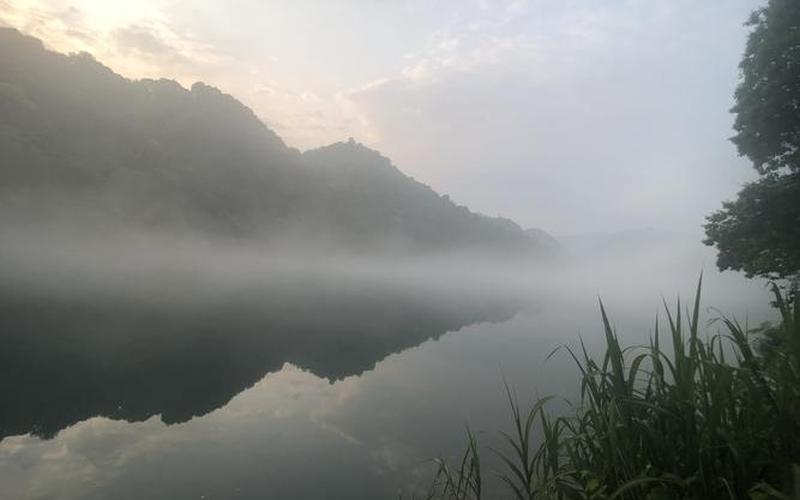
{"x":171,"y":366}
{"x":172,"y":361}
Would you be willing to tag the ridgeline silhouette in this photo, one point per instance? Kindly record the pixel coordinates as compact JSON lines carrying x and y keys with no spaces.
{"x":80,"y":141}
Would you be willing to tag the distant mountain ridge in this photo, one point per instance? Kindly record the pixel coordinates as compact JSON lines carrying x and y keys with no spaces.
{"x":82,"y":142}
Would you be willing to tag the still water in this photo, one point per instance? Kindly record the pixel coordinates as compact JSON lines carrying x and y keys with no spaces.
{"x":292,"y":388}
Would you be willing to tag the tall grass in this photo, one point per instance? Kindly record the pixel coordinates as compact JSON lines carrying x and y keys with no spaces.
{"x":713,"y":416}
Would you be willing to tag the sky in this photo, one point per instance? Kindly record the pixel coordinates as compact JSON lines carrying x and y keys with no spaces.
{"x":574,"y":116}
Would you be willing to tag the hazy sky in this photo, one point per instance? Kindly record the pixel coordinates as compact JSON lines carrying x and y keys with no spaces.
{"x":570,"y":115}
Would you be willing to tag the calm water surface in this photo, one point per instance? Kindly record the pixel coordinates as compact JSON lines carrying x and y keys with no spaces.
{"x":306,"y":389}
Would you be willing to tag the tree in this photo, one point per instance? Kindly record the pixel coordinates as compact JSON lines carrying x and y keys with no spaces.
{"x":759,"y":232}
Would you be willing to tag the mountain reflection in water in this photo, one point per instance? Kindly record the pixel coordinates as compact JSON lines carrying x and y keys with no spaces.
{"x":64,"y":359}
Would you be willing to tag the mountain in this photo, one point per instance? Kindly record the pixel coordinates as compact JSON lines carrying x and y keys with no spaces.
{"x":545,"y":240}
{"x":81,"y":144}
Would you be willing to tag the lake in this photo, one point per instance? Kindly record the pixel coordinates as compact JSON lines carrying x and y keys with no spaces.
{"x":312,"y":381}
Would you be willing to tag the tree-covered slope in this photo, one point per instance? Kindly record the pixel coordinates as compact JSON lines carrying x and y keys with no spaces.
{"x":80,"y":142}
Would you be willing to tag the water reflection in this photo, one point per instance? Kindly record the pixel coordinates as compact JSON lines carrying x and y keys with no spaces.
{"x":64,"y":359}
{"x":295,"y":435}
{"x":293,"y":374}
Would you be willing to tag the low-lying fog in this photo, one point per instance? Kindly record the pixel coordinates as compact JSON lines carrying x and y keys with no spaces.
{"x":234,"y":368}
{"x":631,"y":269}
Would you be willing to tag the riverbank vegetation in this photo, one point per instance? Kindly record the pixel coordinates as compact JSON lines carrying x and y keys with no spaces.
{"x":697,"y":413}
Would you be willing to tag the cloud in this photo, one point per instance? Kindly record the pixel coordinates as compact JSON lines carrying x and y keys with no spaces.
{"x":142,"y":45}
{"x":590,"y":116}
{"x":58,"y":25}
{"x":144,"y":40}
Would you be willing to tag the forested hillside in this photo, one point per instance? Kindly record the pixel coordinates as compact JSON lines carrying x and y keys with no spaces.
{"x":82,"y":144}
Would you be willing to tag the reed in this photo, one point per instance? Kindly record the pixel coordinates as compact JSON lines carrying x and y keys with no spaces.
{"x":709,"y":416}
